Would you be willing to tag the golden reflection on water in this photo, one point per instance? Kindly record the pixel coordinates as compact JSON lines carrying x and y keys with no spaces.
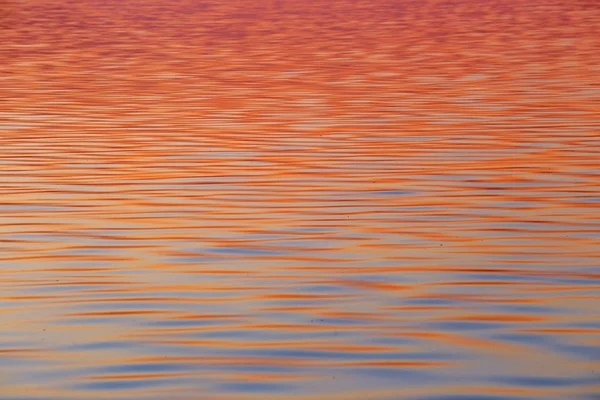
{"x":392,"y":199}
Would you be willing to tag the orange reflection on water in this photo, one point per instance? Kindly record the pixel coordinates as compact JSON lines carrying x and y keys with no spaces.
{"x":393,"y":199}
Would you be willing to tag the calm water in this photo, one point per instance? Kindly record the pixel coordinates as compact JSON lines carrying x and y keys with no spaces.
{"x":342,"y":200}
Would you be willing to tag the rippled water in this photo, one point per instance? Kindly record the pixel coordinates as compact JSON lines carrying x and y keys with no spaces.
{"x":300,"y":199}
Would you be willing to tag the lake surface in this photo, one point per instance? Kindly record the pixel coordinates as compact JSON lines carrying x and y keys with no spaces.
{"x":342,"y":200}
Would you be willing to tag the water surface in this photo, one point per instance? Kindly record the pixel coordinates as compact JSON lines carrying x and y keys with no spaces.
{"x":300,"y":200}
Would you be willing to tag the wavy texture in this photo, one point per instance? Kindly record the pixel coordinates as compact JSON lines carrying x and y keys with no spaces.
{"x":299,"y":199}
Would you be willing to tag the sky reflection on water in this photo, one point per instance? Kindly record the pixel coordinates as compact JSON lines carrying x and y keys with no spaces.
{"x":299,"y":200}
